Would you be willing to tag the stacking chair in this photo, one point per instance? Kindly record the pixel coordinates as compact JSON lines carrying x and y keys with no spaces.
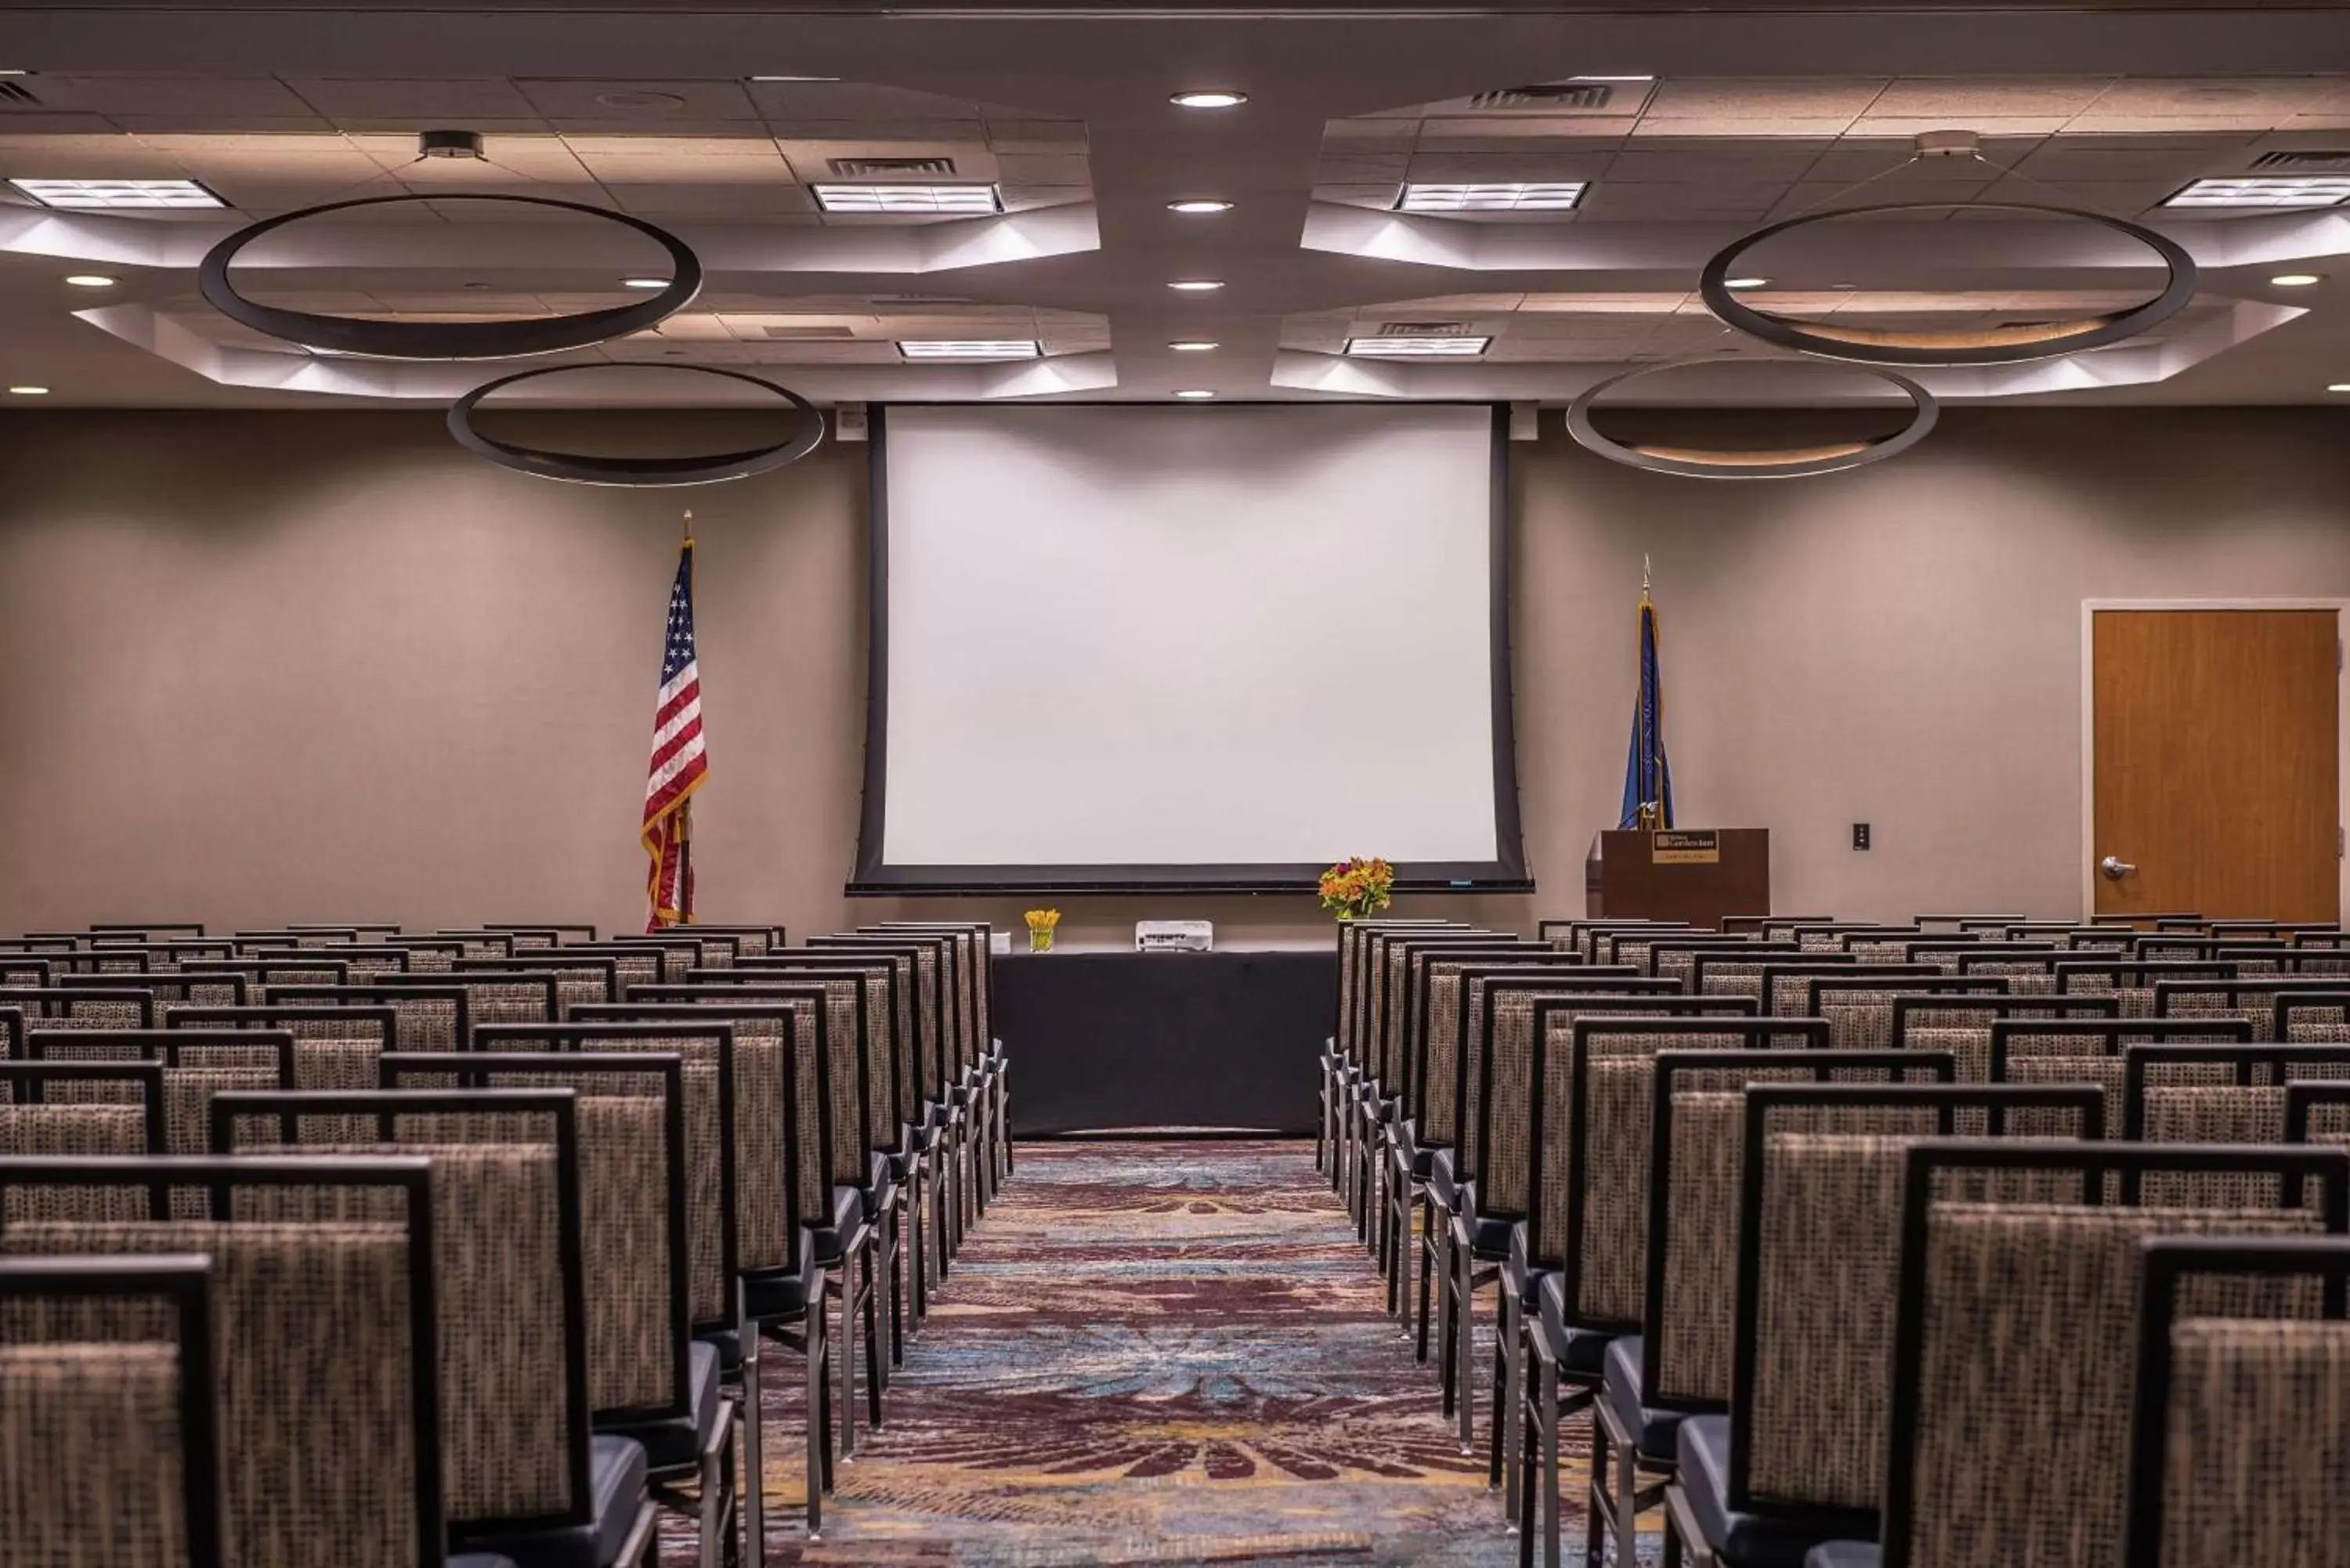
{"x":1388,"y":1089}
{"x":2218,"y":1094}
{"x":1463,"y":1010}
{"x":1859,"y":1008}
{"x":1572,"y":1278}
{"x":526,"y":1476}
{"x":638,"y":960}
{"x":2015,"y":1361}
{"x":870,"y":1009}
{"x":149,"y":930}
{"x":505,"y":993}
{"x":1679,"y":1363}
{"x":579,"y":978}
{"x":109,"y":1452}
{"x":750,"y":941}
{"x":1961,"y":1024}
{"x":2132,"y":980}
{"x":325,"y":1340}
{"x":1340,"y":1063}
{"x":81,"y":1006}
{"x":311,"y":966}
{"x":1394,"y":1133}
{"x":1734,"y":971}
{"x":197,"y":1064}
{"x":1975,"y":920}
{"x":334,"y":1047}
{"x":478,"y":943}
{"x":792,"y":1221}
{"x":2089,"y":1051}
{"x":1600,"y":940}
{"x":648,"y":1380}
{"x":2245,"y":1412}
{"x":1784,"y":990}
{"x":2257,"y":998}
{"x":429,"y":1010}
{"x":972,"y":944}
{"x":82,"y":1107}
{"x":1675,"y":957}
{"x":542,"y":934}
{"x":1799,"y":1459}
{"x":428,"y":955}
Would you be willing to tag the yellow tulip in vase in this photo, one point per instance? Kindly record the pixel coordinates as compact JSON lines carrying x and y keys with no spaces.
{"x":1357,"y":888}
{"x":1040,"y":929}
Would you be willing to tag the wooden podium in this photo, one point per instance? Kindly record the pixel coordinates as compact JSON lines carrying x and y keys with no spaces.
{"x":1697,"y":874}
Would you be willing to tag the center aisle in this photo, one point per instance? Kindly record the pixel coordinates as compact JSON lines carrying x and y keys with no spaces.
{"x":1153,"y":1353}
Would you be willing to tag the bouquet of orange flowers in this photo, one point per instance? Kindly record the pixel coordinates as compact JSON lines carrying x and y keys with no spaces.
{"x":1355,"y":888}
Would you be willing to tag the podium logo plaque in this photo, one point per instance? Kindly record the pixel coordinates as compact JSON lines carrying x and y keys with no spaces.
{"x":1686,"y":846}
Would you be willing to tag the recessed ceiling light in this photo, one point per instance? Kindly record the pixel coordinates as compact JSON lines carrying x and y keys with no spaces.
{"x":1418,"y":346}
{"x":1199,"y":204}
{"x":29,"y":391}
{"x":90,"y":280}
{"x":960,"y":200}
{"x":1498,"y":196}
{"x":118,"y":194}
{"x":1195,"y":394}
{"x":1208,"y":98}
{"x":2339,"y":386}
{"x":1191,"y":345}
{"x":970,"y":348}
{"x":1611,"y":79}
{"x":2296,"y":279}
{"x":1196,"y":284}
{"x":1745,"y":282}
{"x":795,"y":79}
{"x":644,"y":282}
{"x":2264,"y":191}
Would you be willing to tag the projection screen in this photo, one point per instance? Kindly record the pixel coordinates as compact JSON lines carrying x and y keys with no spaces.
{"x":1140,"y":646}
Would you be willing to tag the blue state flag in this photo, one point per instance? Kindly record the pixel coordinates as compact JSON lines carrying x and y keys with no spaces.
{"x":1647,"y":781}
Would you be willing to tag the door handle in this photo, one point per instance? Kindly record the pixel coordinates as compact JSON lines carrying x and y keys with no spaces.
{"x":2114,"y":867}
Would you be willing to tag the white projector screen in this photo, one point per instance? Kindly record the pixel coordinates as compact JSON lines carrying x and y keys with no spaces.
{"x":1144,"y":645}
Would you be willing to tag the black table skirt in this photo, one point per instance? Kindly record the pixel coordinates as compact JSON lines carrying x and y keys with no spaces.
{"x":1164,"y":1040}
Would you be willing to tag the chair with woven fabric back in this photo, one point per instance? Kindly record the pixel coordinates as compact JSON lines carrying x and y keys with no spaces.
{"x":2015,"y":1361}
{"x":325,"y":1342}
{"x":197,"y":1064}
{"x":1575,"y":1275}
{"x":122,"y":1435}
{"x":1799,"y":1458}
{"x":429,"y":1010}
{"x":527,"y":1475}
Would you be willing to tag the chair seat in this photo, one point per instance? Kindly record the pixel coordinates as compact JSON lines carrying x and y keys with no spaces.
{"x":1738,"y":1539}
{"x":1845,"y":1554}
{"x":1490,"y":1238}
{"x":1442,"y":1186}
{"x":677,"y":1443}
{"x":848,"y":1217}
{"x":1583,"y":1350}
{"x":616,"y":1490}
{"x":778,"y":1294}
{"x":1652,"y":1431}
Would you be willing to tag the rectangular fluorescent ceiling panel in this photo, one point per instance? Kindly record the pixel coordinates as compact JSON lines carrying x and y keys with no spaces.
{"x":2265,"y":190}
{"x":1506,"y":196}
{"x":953,"y":200}
{"x":1449,"y":346}
{"x":970,"y":348}
{"x":118,"y":195}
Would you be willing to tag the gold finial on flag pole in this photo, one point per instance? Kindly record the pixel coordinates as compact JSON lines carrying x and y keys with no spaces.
{"x":685,"y":526}
{"x":1644,"y":568}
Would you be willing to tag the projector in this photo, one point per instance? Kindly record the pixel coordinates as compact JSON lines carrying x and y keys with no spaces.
{"x":1174,"y":936}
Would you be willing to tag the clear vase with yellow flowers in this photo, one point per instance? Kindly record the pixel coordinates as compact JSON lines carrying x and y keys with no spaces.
{"x":1040,"y":929}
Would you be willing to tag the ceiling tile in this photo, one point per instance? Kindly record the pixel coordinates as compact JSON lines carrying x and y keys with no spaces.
{"x":1766,"y":98}
{"x":853,"y":101}
{"x":646,"y":102}
{"x":166,"y":97}
{"x":420,"y":102}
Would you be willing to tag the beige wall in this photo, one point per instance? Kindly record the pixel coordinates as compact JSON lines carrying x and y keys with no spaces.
{"x":275,"y":667}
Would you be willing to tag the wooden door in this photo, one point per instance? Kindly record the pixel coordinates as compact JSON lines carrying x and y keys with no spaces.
{"x":2215,"y":756}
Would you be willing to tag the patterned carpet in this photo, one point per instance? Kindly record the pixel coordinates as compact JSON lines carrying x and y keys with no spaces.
{"x":1151,"y":1354}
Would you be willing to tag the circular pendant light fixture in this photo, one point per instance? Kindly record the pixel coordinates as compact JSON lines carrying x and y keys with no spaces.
{"x":1781,"y":462}
{"x":450,"y":339}
{"x":1967,"y":346}
{"x":804,"y":432}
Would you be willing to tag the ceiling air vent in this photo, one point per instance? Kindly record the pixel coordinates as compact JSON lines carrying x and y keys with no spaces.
{"x":2315,"y":159}
{"x":1423,"y":329}
{"x":824,"y":333}
{"x":1547,"y":96}
{"x":891,"y":168}
{"x":16,"y":92}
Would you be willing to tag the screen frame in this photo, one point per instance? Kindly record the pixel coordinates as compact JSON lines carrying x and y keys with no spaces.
{"x":1506,"y":873}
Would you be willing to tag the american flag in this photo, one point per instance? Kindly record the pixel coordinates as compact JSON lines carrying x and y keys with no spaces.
{"x":679,"y":762}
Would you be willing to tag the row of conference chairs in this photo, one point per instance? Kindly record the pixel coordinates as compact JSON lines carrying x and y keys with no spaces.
{"x":1972,"y":1241}
{"x":469,"y":1247}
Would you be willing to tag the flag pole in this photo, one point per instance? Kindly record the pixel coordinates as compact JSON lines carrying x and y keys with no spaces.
{"x":685,"y":807}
